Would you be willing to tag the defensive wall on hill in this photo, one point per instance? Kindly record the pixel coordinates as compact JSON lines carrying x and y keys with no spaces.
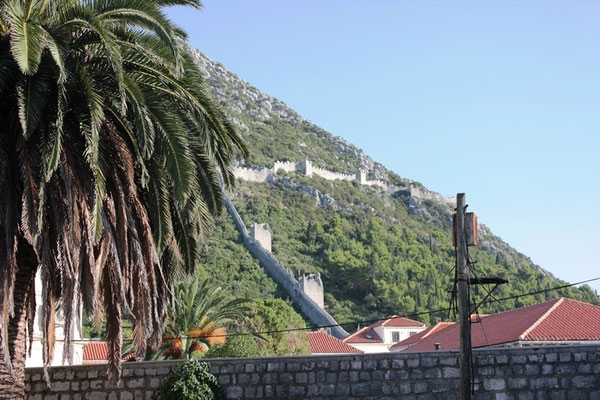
{"x":265,"y":174}
{"x":553,"y":373}
{"x":283,"y":276}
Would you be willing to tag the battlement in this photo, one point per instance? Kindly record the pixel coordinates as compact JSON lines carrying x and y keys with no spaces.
{"x":305,"y":166}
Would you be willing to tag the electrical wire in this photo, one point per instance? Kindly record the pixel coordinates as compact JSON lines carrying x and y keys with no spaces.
{"x":362,"y":322}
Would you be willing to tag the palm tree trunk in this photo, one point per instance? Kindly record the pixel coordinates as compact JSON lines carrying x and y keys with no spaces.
{"x":13,"y":387}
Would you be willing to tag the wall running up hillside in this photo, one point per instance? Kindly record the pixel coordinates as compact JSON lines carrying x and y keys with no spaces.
{"x":284,"y":277}
{"x":266,"y":174}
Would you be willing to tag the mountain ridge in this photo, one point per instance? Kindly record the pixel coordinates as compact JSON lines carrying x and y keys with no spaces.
{"x":414,"y":243}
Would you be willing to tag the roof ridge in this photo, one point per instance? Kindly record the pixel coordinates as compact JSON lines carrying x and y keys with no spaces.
{"x":434,"y":329}
{"x":541,"y":319}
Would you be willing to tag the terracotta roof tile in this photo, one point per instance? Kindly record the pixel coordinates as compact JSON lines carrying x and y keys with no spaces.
{"x":440,"y":326}
{"x":321,"y":342}
{"x":364,"y":335}
{"x":554,"y":320}
{"x":97,"y":353}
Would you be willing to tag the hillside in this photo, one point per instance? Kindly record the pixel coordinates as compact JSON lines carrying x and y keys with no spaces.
{"x":378,"y":254}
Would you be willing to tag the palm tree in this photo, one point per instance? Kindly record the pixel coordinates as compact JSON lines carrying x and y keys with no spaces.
{"x":110,"y":155}
{"x":197,"y":318}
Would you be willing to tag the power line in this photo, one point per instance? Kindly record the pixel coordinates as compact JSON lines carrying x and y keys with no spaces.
{"x":369,"y":321}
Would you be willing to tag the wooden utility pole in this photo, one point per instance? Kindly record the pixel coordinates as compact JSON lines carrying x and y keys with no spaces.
{"x":463,"y":299}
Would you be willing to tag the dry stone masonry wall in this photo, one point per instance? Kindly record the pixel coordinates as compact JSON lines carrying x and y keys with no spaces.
{"x":284,"y":278}
{"x":553,"y":373}
{"x":266,"y":175}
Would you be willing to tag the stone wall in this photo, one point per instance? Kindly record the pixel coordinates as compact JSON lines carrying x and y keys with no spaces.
{"x":284,"y":278}
{"x":561,"y":373}
{"x":265,"y":175}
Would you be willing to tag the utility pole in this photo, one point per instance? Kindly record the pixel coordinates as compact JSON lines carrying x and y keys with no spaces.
{"x":464,"y":360}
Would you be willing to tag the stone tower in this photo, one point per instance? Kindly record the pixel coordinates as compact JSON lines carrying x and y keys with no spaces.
{"x":262,"y":234}
{"x":361,"y":176}
{"x":307,"y":166}
{"x":312,"y":285}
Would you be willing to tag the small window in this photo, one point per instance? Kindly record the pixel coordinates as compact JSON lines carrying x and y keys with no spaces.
{"x":395,"y":336}
{"x":413,"y":333}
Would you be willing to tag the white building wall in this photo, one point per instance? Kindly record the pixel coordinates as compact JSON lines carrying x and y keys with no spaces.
{"x":36,"y":358}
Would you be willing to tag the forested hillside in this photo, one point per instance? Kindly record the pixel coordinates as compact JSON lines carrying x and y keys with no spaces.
{"x":378,"y":254}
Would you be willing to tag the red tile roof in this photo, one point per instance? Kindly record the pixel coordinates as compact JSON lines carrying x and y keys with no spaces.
{"x":560,"y":319}
{"x":368,"y":335}
{"x":440,"y":326}
{"x":364,"y":335}
{"x":399,"y":322}
{"x":97,"y":353}
{"x":322,"y":342}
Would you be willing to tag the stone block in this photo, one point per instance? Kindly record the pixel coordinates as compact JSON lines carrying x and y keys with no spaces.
{"x":586,"y":381}
{"x":516,"y":383}
{"x":234,"y":392}
{"x":250,"y":392}
{"x":224,"y":379}
{"x":359,"y":389}
{"x":449,"y":361}
{"x":584,"y":368}
{"x":412,"y":362}
{"x":308,"y":366}
{"x":565,"y":369}
{"x":301,"y":377}
{"x":357,"y":364}
{"x":420,"y":387}
{"x":126,"y":396}
{"x":96,"y":396}
{"x":297,"y":391}
{"x":342,"y":391}
{"x":564,"y":357}
{"x":558,"y":395}
{"x":135,"y":383}
{"x":494,"y":384}
{"x":365,"y":376}
{"x":331,"y":377}
{"x":450,"y":372}
{"x":293,"y":367}
{"x":327,"y":390}
{"x":396,"y":363}
{"x":547,"y":369}
{"x":532,"y":369}
{"x":154,"y":383}
{"x":433,"y":373}
{"x":93,"y":374}
{"x":285,"y":379}
{"x":429,"y":361}
{"x":96,"y":384}
{"x":244,"y":379}
{"x":518,"y":359}
{"x":543,"y":383}
{"x":61,"y":386}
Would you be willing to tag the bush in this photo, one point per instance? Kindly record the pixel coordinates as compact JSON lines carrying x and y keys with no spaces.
{"x":191,"y":381}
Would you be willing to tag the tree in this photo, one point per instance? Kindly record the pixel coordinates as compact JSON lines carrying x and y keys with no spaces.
{"x":110,"y":153}
{"x":197,"y":318}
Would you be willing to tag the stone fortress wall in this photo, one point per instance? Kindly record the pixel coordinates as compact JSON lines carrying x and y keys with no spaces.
{"x":562,"y":372}
{"x":284,"y":277}
{"x":265,"y":174}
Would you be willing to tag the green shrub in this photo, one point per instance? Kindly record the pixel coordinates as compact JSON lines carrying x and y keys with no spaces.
{"x":191,"y":381}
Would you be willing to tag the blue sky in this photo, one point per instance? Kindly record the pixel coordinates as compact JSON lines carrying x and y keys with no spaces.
{"x":500,"y":100}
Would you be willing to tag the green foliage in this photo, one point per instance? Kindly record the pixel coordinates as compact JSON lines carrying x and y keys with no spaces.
{"x":196,"y":318}
{"x":191,"y":381}
{"x":111,"y":152}
{"x":376,"y":256}
{"x":265,"y":316}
